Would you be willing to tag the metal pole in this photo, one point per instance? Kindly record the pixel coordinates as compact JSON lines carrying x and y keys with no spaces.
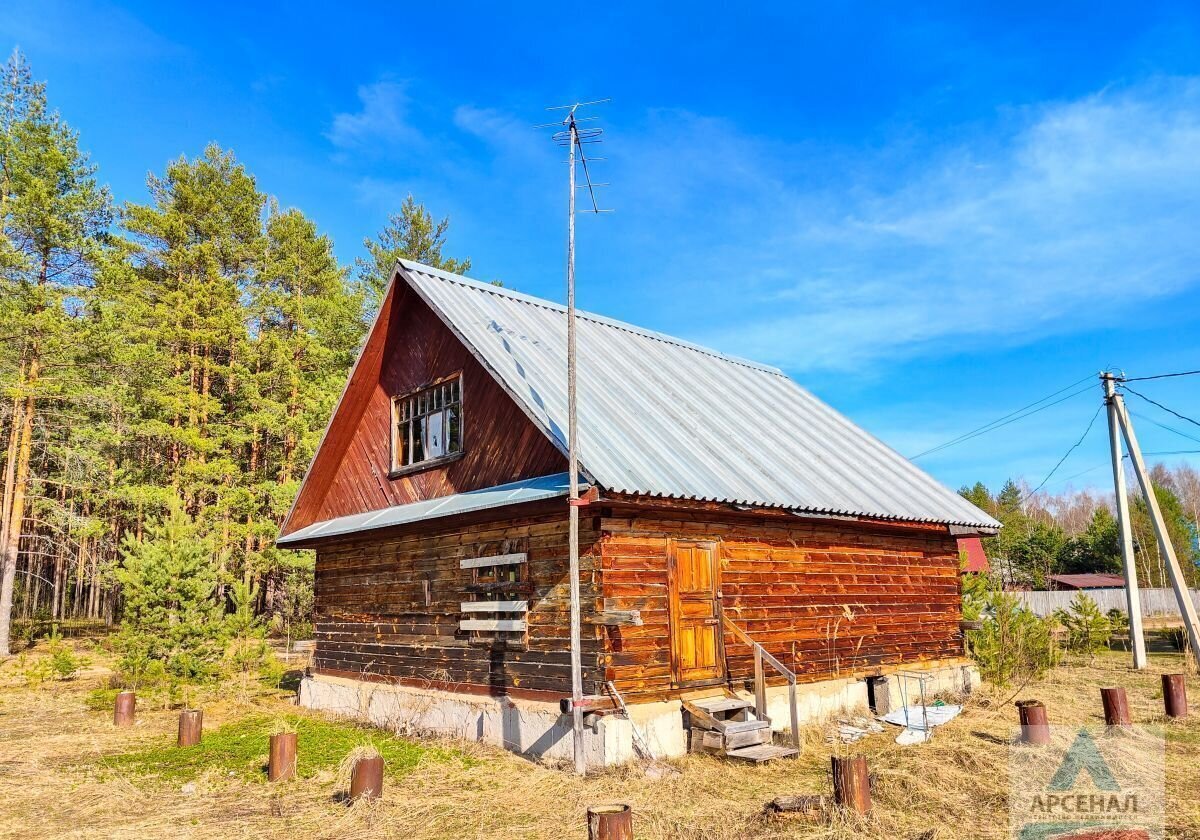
{"x":1134,"y":599}
{"x":573,"y":467}
{"x":1187,"y":609}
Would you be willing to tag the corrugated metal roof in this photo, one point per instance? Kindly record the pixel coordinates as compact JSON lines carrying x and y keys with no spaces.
{"x":530,"y":490}
{"x":662,"y":417}
{"x":1088,"y":580}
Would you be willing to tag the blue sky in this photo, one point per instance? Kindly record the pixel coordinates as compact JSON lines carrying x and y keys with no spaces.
{"x":928,"y":217}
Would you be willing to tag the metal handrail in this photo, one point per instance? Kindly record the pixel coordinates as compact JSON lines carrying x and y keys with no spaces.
{"x":760,"y":681}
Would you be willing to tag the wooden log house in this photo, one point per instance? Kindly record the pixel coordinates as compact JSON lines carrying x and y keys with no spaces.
{"x":740,"y":536}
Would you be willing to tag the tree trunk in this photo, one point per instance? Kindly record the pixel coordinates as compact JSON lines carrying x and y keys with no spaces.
{"x":17,"y":517}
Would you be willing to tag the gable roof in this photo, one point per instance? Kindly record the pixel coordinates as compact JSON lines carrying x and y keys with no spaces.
{"x":661,"y":417}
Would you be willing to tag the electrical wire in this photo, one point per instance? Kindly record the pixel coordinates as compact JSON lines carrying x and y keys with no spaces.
{"x":1160,"y":376}
{"x":1163,"y":407}
{"x":1013,"y":416}
{"x":1074,"y":446}
{"x":1171,"y":429}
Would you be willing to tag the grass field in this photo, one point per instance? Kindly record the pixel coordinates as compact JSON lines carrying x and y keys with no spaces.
{"x":67,"y":772}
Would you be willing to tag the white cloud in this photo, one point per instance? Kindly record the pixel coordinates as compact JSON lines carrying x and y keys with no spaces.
{"x":1084,"y":208}
{"x":382,"y":119}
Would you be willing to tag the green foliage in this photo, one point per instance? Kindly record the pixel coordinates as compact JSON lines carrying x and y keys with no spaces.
{"x":1098,"y":549}
{"x":1088,"y":629}
{"x":411,"y":234}
{"x":172,"y":615}
{"x":247,"y":652}
{"x":1014,"y":643}
{"x":64,"y":664}
{"x":58,"y":662}
{"x":240,"y":749}
{"x":101,"y":699}
{"x":1039,"y":538}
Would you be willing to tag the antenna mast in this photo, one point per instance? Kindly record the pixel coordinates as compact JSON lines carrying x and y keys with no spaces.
{"x":575,"y":138}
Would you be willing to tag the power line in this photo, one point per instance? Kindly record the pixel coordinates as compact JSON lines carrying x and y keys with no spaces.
{"x":1013,"y":416}
{"x":1171,"y":429}
{"x":1159,"y":376}
{"x":1074,"y":446}
{"x":1163,"y":407}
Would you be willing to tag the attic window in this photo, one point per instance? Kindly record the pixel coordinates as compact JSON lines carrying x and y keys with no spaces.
{"x":427,"y":426}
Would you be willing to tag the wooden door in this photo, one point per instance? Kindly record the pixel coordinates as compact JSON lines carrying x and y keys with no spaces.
{"x":697,"y":650}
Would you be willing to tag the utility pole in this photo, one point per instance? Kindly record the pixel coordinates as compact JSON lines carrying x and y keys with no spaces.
{"x":1187,"y":609}
{"x":573,"y":467}
{"x":574,"y":139}
{"x":1133,"y":596}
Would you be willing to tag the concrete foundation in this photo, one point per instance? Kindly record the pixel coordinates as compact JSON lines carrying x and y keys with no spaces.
{"x":538,"y":729}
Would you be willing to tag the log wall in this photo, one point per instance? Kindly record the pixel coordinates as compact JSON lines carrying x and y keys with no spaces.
{"x":388,"y":608}
{"x":827,"y":599}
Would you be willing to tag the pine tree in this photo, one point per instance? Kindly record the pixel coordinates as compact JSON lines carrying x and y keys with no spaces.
{"x":197,"y":246}
{"x":53,"y":216}
{"x":306,"y":326}
{"x":411,"y":234}
{"x":172,"y":613}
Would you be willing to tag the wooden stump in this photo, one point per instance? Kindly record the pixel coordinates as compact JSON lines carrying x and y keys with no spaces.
{"x":1116,"y":706}
{"x":191,"y":724}
{"x":282,"y":764}
{"x":1174,"y":695}
{"x":125,"y":709}
{"x":1035,"y":726}
{"x":610,"y":822}
{"x":366,"y":778}
{"x":851,"y":783}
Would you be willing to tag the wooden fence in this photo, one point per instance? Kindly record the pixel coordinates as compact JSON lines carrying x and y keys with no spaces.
{"x":1154,"y":601}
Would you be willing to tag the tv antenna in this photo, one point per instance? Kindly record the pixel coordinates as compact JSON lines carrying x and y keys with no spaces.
{"x":574,"y":137}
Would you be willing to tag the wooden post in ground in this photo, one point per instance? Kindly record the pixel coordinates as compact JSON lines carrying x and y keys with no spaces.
{"x":125,"y":709}
{"x":191,"y":724}
{"x":366,"y":778}
{"x":1035,"y":726}
{"x":851,"y":784}
{"x":610,"y":822}
{"x":1174,"y":695}
{"x":282,"y":763}
{"x":1116,"y":706}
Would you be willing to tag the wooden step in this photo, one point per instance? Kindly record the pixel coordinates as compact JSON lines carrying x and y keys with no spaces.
{"x":745,"y":726}
{"x":760,"y":753}
{"x":747,"y":738}
{"x":720,"y":705}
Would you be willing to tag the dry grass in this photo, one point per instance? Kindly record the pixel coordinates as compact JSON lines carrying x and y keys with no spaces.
{"x":57,"y":783}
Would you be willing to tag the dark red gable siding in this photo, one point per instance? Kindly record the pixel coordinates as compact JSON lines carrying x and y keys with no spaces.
{"x":411,"y":347}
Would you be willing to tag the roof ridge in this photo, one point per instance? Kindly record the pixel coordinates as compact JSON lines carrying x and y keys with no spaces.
{"x":603,"y":320}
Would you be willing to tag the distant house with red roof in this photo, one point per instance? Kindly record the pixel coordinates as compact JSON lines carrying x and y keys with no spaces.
{"x":971,"y":549}
{"x":1090,"y":580}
